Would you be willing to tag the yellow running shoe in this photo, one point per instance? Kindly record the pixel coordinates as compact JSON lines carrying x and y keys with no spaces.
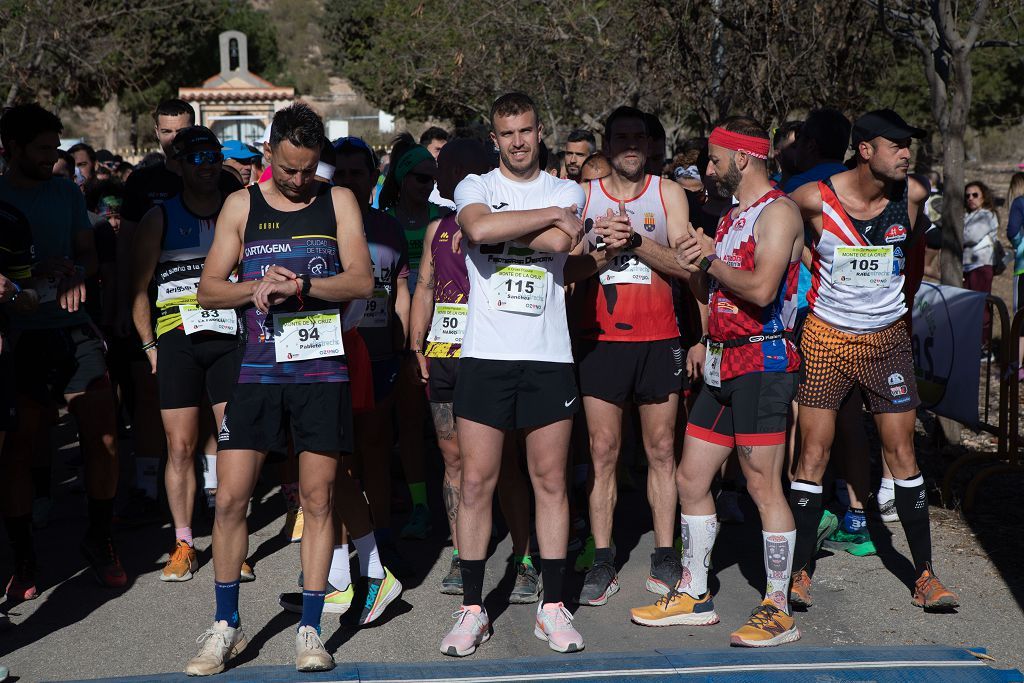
{"x":293,"y":525}
{"x":767,"y":626}
{"x":181,"y":563}
{"x":677,"y":608}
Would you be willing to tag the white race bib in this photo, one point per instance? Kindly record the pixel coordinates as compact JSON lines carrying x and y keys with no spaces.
{"x":448,"y":326}
{"x":713,"y":364}
{"x":519,"y":289}
{"x":307,"y":335}
{"x":376,"y":313}
{"x":626,"y":268}
{"x":869,"y":267}
{"x":45,"y":286}
{"x":196,"y":318}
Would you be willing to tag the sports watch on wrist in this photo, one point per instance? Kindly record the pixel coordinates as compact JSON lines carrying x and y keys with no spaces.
{"x":705,"y":263}
{"x":306,"y":284}
{"x":634,"y":240}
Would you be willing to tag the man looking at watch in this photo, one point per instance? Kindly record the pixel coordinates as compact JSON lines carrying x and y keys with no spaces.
{"x":748,"y":276}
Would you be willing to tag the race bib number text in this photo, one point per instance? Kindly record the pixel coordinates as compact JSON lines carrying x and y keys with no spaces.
{"x":626,"y":268}
{"x":196,"y":319}
{"x":448,"y":326}
{"x":869,"y":267}
{"x":307,"y":335}
{"x":519,"y":289}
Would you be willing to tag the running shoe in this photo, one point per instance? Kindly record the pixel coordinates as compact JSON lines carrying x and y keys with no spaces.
{"x":585,"y":560}
{"x":246,"y":573}
{"x":105,"y":563}
{"x":728,"y":505}
{"x":472,"y":628}
{"x":930,"y":594}
{"x":310,"y":653}
{"x":857,"y":543}
{"x":767,"y":626}
{"x":22,"y":585}
{"x":218,"y":645}
{"x":554,"y":624}
{"x":800,"y":590}
{"x":181,"y":564}
{"x":451,"y":584}
{"x":418,"y":526}
{"x":887,"y":509}
{"x":4,"y":673}
{"x":335,"y":602}
{"x":675,"y":608}
{"x":379,"y":594}
{"x":527,"y":586}
{"x":600,"y":584}
{"x":826,"y":527}
{"x":665,"y":574}
{"x":293,"y":524}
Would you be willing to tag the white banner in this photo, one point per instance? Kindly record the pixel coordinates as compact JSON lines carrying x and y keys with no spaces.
{"x":947,"y":350}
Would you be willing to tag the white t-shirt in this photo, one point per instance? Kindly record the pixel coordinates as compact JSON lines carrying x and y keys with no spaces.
{"x":516,"y":302}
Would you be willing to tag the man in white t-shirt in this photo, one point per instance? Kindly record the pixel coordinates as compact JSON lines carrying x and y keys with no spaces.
{"x":516,"y":370}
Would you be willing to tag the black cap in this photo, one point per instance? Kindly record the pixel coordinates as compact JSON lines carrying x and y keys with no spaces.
{"x":104,"y":156}
{"x":193,"y":138}
{"x":883,"y":123}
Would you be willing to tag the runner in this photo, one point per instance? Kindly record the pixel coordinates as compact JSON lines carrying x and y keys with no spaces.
{"x":439,"y":317}
{"x":192,"y":349}
{"x":302,"y":254}
{"x":578,"y":147}
{"x":748,"y":275}
{"x":629,"y":350}
{"x":856,"y":340}
{"x":57,"y":348}
{"x":515,"y":369}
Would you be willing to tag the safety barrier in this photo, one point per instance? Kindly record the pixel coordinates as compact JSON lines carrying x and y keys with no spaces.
{"x":1001,"y":430}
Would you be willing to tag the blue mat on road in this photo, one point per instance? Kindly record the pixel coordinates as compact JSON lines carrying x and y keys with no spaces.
{"x":790,"y":664}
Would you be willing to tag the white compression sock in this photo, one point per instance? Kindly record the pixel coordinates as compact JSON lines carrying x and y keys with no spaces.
{"x":369,"y":560}
{"x":210,"y":472}
{"x":699,"y":532}
{"x":778,"y":565}
{"x":340,"y":575}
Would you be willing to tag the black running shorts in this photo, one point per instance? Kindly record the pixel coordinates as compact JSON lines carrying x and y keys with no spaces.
{"x":259,"y":417}
{"x":749,"y":410}
{"x":642,"y":372}
{"x":51,"y":363}
{"x":512,"y":394}
{"x":188,"y":364}
{"x":441,"y":385}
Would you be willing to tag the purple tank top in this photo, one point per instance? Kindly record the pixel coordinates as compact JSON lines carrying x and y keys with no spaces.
{"x":451,"y":282}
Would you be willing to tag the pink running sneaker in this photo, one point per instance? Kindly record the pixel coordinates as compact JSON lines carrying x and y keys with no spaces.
{"x":554,"y":624}
{"x":472,"y":627}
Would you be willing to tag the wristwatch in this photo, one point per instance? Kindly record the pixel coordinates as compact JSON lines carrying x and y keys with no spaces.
{"x":634,"y":240}
{"x":306,"y":284}
{"x":705,"y":263}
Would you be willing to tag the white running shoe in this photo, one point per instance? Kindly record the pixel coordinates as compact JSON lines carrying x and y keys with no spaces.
{"x":554,"y":624}
{"x":310,"y":653}
{"x":217,"y":646}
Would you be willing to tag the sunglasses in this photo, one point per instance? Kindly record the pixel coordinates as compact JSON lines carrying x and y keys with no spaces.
{"x":198,"y":158}
{"x":248,"y":161}
{"x":422,"y":177}
{"x":974,"y":195}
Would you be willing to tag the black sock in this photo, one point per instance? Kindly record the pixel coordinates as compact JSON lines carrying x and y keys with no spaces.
{"x":912,"y":506}
{"x":805,"y":501}
{"x":553,"y":573}
{"x":19,"y":532}
{"x":472,"y":581}
{"x":604,"y":555}
{"x":101,"y":514}
{"x":661,"y":553}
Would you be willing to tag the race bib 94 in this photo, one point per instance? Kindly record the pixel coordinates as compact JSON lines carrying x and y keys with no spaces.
{"x":307,"y":335}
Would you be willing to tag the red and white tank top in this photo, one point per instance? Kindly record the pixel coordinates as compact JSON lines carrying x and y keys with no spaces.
{"x":628,"y":301}
{"x":730,"y":317}
{"x":857,"y":266}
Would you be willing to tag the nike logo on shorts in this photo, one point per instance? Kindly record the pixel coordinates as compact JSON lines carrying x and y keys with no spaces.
{"x":570,"y":402}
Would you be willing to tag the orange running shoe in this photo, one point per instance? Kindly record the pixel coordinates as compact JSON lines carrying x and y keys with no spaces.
{"x":767,"y":626}
{"x":800,"y":590}
{"x":930,"y":594}
{"x":181,"y":564}
{"x":247,"y":573}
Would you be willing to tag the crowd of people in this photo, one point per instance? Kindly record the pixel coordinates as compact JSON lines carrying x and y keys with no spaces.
{"x":733,"y":307}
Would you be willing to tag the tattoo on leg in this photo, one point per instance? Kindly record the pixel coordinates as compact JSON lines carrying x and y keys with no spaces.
{"x":444,"y":420}
{"x":451,"y":494}
{"x":745,"y":451}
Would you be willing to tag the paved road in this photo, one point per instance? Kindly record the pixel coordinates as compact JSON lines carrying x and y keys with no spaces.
{"x":77,"y":629}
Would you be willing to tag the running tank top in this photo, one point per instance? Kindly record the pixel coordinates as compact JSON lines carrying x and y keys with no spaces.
{"x":306,"y":243}
{"x":390,"y":261}
{"x":185,"y":243}
{"x":857,"y":269}
{"x":628,"y":301}
{"x":414,"y":241}
{"x":731,"y":317}
{"x":451,"y":293}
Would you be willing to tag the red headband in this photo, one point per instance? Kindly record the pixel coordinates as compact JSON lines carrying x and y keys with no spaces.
{"x":748,"y":144}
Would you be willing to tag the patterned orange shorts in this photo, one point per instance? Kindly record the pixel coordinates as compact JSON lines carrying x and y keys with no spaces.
{"x":880,"y":364}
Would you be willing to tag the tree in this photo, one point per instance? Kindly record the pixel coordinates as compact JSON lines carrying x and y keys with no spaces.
{"x":945,"y":37}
